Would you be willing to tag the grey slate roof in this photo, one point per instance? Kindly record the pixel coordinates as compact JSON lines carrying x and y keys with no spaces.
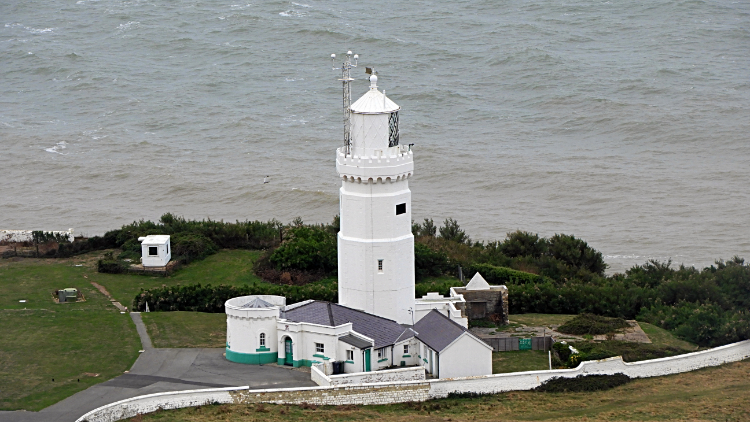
{"x":437,"y":330}
{"x":355,"y":341}
{"x":384,"y":331}
{"x":257,"y":303}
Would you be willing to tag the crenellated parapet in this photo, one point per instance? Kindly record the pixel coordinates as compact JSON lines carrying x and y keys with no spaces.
{"x":394,"y":164}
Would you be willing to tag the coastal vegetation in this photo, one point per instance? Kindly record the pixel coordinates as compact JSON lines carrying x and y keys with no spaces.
{"x":710,"y":394}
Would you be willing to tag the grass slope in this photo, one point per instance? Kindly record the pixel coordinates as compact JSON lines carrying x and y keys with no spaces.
{"x":711,"y":394}
{"x":230,"y":267}
{"x":41,"y":340}
{"x":186,"y":329}
{"x":519,"y":360}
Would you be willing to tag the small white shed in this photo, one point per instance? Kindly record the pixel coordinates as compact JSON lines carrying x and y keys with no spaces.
{"x":155,"y":250}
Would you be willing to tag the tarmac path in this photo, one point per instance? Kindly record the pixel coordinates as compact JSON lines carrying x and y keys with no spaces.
{"x":161,"y":370}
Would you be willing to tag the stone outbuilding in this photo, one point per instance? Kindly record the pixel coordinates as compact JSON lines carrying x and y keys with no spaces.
{"x":483,"y":301}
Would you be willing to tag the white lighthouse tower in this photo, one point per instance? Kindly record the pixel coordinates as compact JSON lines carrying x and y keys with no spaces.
{"x":375,"y":244}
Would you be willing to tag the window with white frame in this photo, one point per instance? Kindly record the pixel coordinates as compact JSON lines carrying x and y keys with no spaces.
{"x":380,"y":265}
{"x":319,"y":348}
{"x":381,"y":352}
{"x":350,"y":355}
{"x":262,"y":339}
{"x":406,"y":349}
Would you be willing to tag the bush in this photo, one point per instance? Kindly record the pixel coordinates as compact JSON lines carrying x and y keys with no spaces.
{"x":500,"y":275}
{"x":307,"y":248}
{"x":188,"y":247}
{"x":583,"y":383}
{"x":208,"y":298}
{"x":429,"y":263}
{"x":592,"y":324}
{"x":576,"y":253}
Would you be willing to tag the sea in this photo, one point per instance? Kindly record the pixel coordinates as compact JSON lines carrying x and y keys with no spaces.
{"x":625,"y":123}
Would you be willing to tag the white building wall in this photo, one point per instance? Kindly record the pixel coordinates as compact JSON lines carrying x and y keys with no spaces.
{"x":466,"y":357}
{"x":164,"y":254}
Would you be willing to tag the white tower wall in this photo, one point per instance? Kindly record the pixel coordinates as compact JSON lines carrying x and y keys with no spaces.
{"x":373,"y":226}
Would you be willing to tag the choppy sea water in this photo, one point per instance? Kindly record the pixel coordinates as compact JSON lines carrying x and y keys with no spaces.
{"x":625,"y":123}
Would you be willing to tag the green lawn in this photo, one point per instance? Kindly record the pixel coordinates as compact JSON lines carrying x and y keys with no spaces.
{"x":519,"y":360}
{"x":663,"y":338}
{"x":186,"y":329}
{"x":231,"y":267}
{"x":540,"y":320}
{"x":72,"y":342}
{"x":64,"y":342}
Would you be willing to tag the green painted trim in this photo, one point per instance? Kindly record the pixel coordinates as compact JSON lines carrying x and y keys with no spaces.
{"x":406,"y":356}
{"x":281,"y":361}
{"x":349,"y":361}
{"x":317,"y":355}
{"x":425,"y":360}
{"x":251,"y":358}
{"x":382,"y":360}
{"x":303,"y":362}
{"x":263,"y":349}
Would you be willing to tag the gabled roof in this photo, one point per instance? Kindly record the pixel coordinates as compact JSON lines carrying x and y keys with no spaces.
{"x":257,"y":303}
{"x":437,"y":330}
{"x":384,"y":331}
{"x":478,"y":283}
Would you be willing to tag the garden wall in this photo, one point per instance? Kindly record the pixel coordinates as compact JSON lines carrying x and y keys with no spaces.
{"x":416,"y":373}
{"x":406,"y":391}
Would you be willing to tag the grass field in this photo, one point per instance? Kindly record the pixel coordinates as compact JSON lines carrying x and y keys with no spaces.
{"x":231,"y":267}
{"x":540,"y":320}
{"x":186,"y":329}
{"x":519,"y":360}
{"x":711,"y":394}
{"x":70,"y":343}
{"x":663,"y":338}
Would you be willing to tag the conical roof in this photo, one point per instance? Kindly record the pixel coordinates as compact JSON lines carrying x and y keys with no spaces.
{"x":478,"y":283}
{"x":257,"y":303}
{"x":374,"y":102}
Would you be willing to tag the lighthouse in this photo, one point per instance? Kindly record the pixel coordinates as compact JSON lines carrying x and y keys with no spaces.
{"x":375,"y":243}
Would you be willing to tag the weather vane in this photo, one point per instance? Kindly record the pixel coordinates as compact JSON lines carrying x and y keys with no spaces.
{"x":346,"y":78}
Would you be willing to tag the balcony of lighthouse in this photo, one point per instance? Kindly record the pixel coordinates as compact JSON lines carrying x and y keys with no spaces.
{"x":390,"y":164}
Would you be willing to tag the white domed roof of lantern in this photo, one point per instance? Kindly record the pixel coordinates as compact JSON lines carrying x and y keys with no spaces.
{"x":374,"y":101}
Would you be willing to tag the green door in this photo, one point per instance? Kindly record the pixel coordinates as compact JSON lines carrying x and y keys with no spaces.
{"x":289,"y":358}
{"x":367,"y":360}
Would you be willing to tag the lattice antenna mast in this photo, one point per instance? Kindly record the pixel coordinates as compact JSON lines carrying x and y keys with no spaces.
{"x":346,"y":78}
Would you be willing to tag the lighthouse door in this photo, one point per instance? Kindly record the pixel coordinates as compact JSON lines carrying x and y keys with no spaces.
{"x":288,"y":358}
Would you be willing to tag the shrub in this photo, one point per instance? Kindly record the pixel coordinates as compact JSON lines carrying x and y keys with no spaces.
{"x":453,"y":232}
{"x":520,"y":243}
{"x":592,"y":324}
{"x":583,"y":383}
{"x":576,"y":253}
{"x":307,"y":248}
{"x":188,"y":247}
{"x":429,"y":263}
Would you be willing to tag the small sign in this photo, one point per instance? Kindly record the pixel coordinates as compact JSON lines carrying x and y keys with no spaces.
{"x":22,"y":301}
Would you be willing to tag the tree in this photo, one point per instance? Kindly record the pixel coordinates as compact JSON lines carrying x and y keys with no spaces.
{"x":453,"y":232}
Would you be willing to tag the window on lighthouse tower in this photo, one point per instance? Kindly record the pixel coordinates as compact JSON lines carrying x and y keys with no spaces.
{"x":380,"y":265}
{"x":393,"y":129}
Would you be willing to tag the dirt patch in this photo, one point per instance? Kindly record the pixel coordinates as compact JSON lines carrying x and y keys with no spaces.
{"x":101,"y":289}
{"x":633,"y":334}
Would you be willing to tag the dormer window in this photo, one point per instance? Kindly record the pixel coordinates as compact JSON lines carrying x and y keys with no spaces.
{"x":393,"y":135}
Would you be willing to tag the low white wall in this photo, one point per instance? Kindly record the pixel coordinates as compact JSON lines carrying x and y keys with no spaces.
{"x":405,"y":391}
{"x":359,"y":378}
{"x":644,"y":369}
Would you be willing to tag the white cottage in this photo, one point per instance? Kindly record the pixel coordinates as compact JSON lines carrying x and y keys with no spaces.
{"x":155,"y":250}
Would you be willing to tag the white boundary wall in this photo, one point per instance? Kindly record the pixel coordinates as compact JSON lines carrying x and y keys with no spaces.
{"x":416,"y":373}
{"x":403,"y":391}
{"x":26,"y":235}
